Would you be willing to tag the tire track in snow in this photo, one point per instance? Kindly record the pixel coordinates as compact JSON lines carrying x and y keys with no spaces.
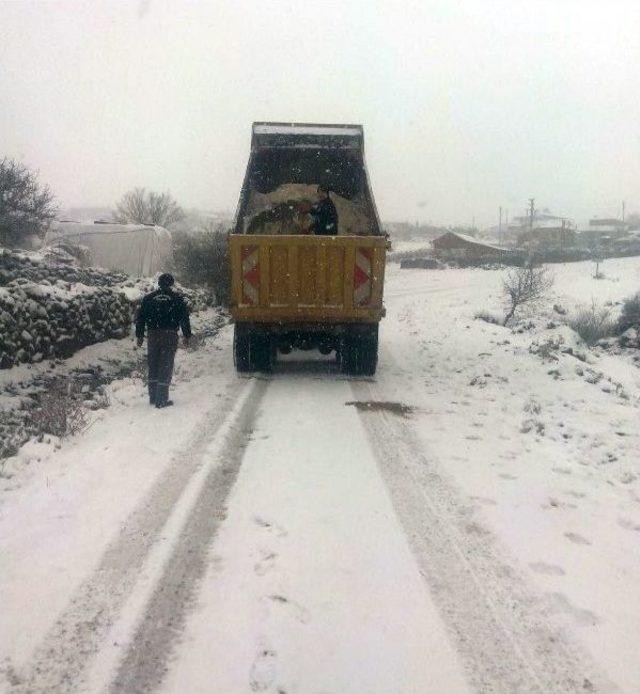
{"x":144,"y":664}
{"x":499,"y":625}
{"x":60,"y":661}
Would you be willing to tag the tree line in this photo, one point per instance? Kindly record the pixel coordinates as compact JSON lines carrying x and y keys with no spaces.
{"x":28,"y":209}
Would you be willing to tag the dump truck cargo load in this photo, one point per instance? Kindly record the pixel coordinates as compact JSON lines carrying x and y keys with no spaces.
{"x":293,"y":288}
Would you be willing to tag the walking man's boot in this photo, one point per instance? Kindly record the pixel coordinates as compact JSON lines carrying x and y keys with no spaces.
{"x":162,"y":396}
{"x":153,"y":386}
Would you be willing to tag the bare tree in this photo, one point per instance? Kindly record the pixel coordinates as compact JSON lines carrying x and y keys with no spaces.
{"x":598,"y":257}
{"x":26,"y":207}
{"x":525,"y":285}
{"x":141,"y":207}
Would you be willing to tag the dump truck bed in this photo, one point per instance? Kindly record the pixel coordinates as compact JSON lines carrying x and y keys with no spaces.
{"x":286,"y":164}
{"x":293,"y":286}
{"x":328,"y":279}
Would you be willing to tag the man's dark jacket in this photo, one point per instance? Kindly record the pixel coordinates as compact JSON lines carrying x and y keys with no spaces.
{"x":163,"y":310}
{"x":325,"y":218}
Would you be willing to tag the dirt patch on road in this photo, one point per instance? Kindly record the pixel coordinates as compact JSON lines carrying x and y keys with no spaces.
{"x":397,"y":408}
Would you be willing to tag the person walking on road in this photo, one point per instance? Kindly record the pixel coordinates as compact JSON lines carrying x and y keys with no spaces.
{"x":161,"y":313}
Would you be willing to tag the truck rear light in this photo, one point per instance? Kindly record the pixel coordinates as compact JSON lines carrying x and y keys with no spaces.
{"x":362,"y":284}
{"x":250,"y":274}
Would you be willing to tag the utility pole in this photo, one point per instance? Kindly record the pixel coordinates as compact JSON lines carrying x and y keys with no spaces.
{"x":500,"y":228}
{"x":623,"y":211}
{"x":532,"y":210}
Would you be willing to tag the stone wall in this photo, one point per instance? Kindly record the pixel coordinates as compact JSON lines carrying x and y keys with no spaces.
{"x":52,"y":309}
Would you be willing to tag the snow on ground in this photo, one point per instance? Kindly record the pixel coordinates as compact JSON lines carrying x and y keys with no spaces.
{"x":59,"y":511}
{"x":311,"y":602}
{"x":548,"y":457}
{"x":263,"y":534}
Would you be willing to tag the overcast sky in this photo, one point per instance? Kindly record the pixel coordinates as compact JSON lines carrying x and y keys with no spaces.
{"x":467,"y":105}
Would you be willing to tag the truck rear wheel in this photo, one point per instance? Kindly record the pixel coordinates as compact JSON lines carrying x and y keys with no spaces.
{"x":359,"y":353}
{"x":241,"y":350}
{"x":252,"y":352}
{"x":261,"y":353}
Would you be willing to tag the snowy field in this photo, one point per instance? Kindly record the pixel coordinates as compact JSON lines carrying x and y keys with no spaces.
{"x":468,"y":520}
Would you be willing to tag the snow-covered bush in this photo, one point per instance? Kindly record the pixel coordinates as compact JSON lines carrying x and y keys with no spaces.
{"x":202,"y":259}
{"x":548,"y":349}
{"x":630,"y":316}
{"x":488,"y":317}
{"x":525,"y":285}
{"x":26,"y":206}
{"x":592,"y":323}
{"x":61,"y":411}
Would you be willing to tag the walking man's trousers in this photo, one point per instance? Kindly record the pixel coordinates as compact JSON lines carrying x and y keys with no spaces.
{"x":161,"y":351}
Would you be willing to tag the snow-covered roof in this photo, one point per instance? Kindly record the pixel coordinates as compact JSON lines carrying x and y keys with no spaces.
{"x":136,"y":249}
{"x":306,"y":129}
{"x":608,"y":222}
{"x":473,"y":240}
{"x":75,"y":228}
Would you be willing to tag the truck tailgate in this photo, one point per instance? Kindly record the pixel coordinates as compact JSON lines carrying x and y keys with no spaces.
{"x":307,"y":278}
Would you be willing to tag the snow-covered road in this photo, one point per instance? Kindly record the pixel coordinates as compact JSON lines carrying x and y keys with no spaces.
{"x":307,"y":532}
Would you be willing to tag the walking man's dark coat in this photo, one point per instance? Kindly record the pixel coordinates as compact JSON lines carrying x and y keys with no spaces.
{"x":161,"y":314}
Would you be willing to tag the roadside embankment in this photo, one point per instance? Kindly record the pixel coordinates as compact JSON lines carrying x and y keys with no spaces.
{"x":51,"y":308}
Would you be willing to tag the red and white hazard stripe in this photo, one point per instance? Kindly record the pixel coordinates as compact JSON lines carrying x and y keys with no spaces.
{"x":362,"y":284}
{"x":250,"y":274}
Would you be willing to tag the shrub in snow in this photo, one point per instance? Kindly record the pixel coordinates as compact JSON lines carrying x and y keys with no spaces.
{"x":629,"y":338}
{"x":532,"y":425}
{"x":630,"y":316}
{"x":562,"y":340}
{"x":548,"y":349}
{"x":592,"y":324}
{"x":202,"y":259}
{"x":26,"y":206}
{"x":487,"y":317}
{"x":525,"y":285}
{"x":60,"y":410}
{"x":532,"y":406}
{"x":53,"y":404}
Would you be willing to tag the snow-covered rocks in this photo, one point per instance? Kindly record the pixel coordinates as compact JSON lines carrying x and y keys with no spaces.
{"x":51,"y":267}
{"x":38,"y":321}
{"x":53,"y":308}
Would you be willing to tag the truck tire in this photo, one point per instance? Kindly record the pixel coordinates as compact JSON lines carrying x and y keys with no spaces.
{"x":261,"y":353}
{"x":359,"y":353}
{"x":251,"y":352}
{"x":241,"y":350}
{"x":368,"y":354}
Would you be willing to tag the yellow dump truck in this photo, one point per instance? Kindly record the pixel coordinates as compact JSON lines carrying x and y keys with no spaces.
{"x":291,"y":287}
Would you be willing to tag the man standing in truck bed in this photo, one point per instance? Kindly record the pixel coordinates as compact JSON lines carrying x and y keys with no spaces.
{"x":162,"y":312}
{"x":325,"y":217}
